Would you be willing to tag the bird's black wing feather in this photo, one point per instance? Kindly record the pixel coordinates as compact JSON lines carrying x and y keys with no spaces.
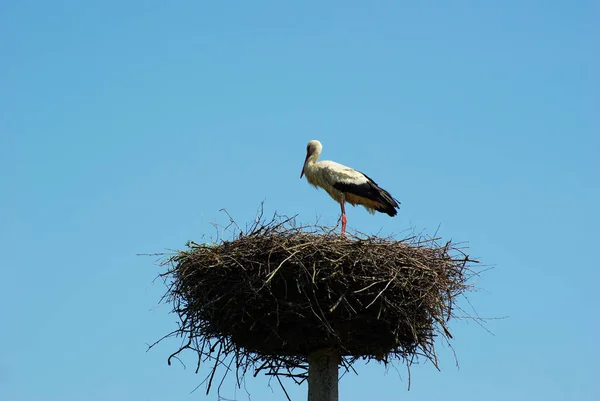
{"x":372,"y":191}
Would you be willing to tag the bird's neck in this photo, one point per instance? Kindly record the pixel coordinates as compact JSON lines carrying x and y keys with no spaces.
{"x":309,"y":165}
{"x":312,"y":159}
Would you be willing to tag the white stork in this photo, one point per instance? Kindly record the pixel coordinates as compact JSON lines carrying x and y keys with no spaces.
{"x":345,"y":184}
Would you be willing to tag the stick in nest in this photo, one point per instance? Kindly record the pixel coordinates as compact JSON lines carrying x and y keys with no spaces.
{"x":279,"y":291}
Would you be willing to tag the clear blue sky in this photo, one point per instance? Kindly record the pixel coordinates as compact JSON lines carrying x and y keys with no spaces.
{"x":126,"y":126}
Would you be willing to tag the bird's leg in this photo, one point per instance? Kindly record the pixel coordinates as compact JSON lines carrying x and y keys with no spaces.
{"x":343,"y":218}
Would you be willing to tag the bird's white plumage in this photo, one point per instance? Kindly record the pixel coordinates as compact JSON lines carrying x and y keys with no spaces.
{"x":326,"y":173}
{"x":345,"y":184}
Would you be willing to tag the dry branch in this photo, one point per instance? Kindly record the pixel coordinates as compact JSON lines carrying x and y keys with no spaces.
{"x":266,"y":299}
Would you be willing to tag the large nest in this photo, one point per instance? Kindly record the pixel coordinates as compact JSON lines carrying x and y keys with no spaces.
{"x":279,"y":291}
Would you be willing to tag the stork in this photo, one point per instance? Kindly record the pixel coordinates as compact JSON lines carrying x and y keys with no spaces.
{"x":345,"y":184}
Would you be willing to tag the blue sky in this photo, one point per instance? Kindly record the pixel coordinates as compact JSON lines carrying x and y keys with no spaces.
{"x":126,"y":126}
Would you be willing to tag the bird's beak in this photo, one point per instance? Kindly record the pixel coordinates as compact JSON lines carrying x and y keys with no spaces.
{"x":302,"y":173}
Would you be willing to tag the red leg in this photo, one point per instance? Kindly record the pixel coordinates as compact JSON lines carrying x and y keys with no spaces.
{"x":343,"y":218}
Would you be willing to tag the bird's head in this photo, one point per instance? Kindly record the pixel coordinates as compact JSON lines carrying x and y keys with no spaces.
{"x":313,"y":149}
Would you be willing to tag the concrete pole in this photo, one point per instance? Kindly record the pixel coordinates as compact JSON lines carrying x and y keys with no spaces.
{"x":323,"y":375}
